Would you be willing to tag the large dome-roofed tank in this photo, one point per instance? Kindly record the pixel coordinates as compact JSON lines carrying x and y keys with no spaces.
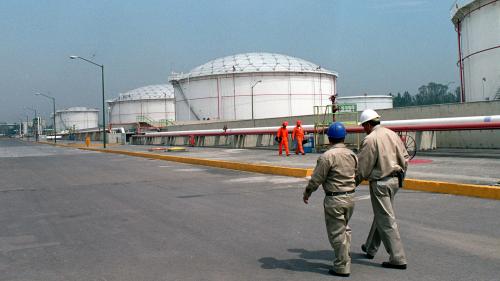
{"x":258,"y":85}
{"x":151,"y":104}
{"x":76,"y":118}
{"x":477,"y":23}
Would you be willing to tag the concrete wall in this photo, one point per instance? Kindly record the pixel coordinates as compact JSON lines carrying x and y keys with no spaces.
{"x":96,"y":136}
{"x":425,"y":140}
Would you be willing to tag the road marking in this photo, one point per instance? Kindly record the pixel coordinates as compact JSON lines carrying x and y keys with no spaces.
{"x":271,"y":179}
{"x":164,"y":166}
{"x":22,"y":242}
{"x":190,"y":170}
{"x":17,"y":189}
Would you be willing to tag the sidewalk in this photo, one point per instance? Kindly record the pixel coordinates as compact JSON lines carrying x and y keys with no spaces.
{"x":483,"y":171}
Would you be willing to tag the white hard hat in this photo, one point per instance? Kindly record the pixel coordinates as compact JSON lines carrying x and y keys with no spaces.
{"x":367,"y":115}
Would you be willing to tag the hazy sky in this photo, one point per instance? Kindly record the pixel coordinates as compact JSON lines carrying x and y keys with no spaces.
{"x":376,"y":46}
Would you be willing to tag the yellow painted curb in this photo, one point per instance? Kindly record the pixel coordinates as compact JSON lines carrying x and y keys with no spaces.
{"x":473,"y":190}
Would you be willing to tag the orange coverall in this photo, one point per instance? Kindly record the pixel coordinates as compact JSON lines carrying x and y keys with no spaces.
{"x":298,"y":133}
{"x":283,"y":134}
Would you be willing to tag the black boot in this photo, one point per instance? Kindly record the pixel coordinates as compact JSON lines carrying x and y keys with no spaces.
{"x":368,"y":256}
{"x":395,"y":266}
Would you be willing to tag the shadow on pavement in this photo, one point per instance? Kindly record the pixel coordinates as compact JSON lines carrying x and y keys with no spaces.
{"x":303,"y":263}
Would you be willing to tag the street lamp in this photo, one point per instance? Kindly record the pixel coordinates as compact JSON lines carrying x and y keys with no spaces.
{"x":36,"y":118}
{"x":483,"y":80}
{"x":103,"y":108}
{"x":54,"y":112}
{"x":254,"y":84}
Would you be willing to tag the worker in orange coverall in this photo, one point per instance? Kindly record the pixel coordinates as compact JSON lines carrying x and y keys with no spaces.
{"x":298,"y":134}
{"x":282,"y":137}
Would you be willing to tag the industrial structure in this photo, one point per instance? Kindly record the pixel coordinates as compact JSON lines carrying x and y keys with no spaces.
{"x":252,"y":86}
{"x":366,"y":101}
{"x":76,"y":118}
{"x":152,"y":104}
{"x":478,"y":29}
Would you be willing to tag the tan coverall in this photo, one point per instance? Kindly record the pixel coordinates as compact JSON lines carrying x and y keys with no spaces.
{"x":336,"y":171}
{"x":381,"y":155}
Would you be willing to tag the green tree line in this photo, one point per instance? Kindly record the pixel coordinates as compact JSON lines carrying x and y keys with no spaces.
{"x":432,"y":93}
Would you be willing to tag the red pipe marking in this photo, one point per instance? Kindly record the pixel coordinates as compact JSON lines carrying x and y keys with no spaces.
{"x":420,"y":161}
{"x":178,"y":100}
{"x":460,"y":61}
{"x":218,"y":99}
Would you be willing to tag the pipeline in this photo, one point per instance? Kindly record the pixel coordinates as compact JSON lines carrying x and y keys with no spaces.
{"x":431,"y":124}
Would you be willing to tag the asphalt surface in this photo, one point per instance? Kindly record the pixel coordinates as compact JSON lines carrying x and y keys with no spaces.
{"x":68,"y":214}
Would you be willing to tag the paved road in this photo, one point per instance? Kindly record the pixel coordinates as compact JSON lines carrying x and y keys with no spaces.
{"x":73,"y":215}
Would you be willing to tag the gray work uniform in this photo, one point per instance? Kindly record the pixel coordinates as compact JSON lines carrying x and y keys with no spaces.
{"x":336,"y":171}
{"x":382,"y":154}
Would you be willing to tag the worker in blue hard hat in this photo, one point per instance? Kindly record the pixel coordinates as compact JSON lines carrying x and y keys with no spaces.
{"x":336,"y":171}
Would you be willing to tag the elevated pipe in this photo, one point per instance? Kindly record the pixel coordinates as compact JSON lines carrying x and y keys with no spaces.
{"x":432,"y":124}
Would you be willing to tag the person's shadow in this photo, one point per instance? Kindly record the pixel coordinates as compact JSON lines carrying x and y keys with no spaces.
{"x":304,"y":264}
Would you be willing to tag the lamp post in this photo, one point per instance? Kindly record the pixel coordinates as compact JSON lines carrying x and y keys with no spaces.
{"x":53,"y":114}
{"x":103,"y":105}
{"x":36,"y":118}
{"x":254,"y":84}
{"x":483,"y":80}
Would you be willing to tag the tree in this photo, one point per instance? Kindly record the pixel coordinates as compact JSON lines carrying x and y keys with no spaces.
{"x":432,"y":93}
{"x":402,"y":100}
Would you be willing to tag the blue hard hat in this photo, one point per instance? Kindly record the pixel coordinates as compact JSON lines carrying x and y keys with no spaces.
{"x":336,"y":131}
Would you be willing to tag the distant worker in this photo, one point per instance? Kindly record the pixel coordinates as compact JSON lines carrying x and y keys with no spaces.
{"x":298,"y":134}
{"x":336,"y":171}
{"x":282,"y":138}
{"x":383,"y":161}
{"x":87,"y":141}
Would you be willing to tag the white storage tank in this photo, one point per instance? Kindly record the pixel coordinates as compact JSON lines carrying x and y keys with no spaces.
{"x":151,"y":104}
{"x":252,"y":86}
{"x":478,"y":29}
{"x":76,"y":118}
{"x":366,"y":101}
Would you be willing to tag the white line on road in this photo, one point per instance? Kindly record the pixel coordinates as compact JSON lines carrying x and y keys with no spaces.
{"x":190,"y":170}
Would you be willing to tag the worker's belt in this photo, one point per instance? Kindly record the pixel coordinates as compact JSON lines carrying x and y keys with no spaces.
{"x":329,"y":193}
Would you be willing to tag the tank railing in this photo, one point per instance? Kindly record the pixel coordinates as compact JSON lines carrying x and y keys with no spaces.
{"x":178,"y":86}
{"x":323,"y":116}
{"x":154,"y":123}
{"x":457,"y":5}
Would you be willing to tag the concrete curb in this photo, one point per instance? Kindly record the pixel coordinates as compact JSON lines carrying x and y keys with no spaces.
{"x":472,"y":190}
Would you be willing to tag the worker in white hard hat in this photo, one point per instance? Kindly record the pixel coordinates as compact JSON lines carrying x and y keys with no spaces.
{"x":383,"y":160}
